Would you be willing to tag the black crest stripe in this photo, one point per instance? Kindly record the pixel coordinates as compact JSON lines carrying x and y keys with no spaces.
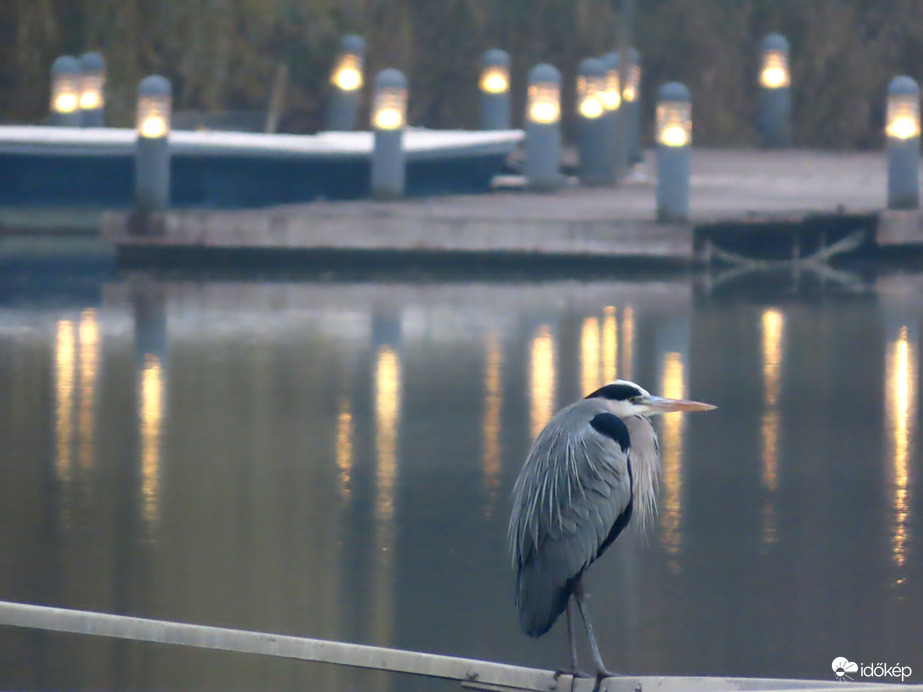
{"x":613,"y":427}
{"x":619,"y":392}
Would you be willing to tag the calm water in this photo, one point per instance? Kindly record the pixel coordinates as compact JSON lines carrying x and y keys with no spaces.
{"x":333,"y":459}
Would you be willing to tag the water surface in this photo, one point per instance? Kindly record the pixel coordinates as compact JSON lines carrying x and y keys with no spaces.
{"x":334,"y":459}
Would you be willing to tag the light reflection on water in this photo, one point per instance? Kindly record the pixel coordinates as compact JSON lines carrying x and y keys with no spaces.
{"x":299,"y":465}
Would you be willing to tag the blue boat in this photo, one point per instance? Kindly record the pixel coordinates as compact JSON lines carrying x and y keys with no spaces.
{"x":94,"y":167}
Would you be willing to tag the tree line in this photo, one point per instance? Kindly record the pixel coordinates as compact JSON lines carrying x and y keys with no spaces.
{"x":224,"y":55}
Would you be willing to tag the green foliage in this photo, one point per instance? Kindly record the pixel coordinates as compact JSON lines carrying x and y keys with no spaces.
{"x":223,"y":54}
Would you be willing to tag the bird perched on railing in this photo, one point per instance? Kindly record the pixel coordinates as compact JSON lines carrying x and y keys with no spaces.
{"x":594,"y":466}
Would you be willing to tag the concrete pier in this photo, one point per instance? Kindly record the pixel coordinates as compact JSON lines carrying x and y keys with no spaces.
{"x":732,"y":193}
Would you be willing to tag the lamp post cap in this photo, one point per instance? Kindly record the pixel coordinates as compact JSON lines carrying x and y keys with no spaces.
{"x":674,"y":91}
{"x":544,"y":72}
{"x":611,"y":60}
{"x":903,"y":85}
{"x":775,"y":42}
{"x":351,"y":43}
{"x":154,"y":85}
{"x":592,"y":67}
{"x":495,"y":56}
{"x":391,"y":78}
{"x":92,"y":61}
{"x":66,"y":64}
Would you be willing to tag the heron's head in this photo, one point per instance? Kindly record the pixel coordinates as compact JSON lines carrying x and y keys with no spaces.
{"x":625,"y":399}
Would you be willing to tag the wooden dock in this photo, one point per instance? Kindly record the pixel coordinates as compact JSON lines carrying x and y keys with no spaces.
{"x":470,"y":673}
{"x":782,"y":204}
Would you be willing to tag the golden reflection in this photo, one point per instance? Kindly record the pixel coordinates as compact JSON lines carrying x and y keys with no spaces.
{"x":89,"y":360}
{"x":542,"y":381}
{"x":590,"y":356}
{"x":344,"y":451}
{"x":773,"y":334}
{"x":610,"y":344}
{"x":151,"y":415}
{"x":493,"y":400}
{"x":900,"y":415}
{"x":387,"y":405}
{"x":671,"y":451}
{"x":628,"y":342}
{"x":64,"y":397}
{"x":772,"y":323}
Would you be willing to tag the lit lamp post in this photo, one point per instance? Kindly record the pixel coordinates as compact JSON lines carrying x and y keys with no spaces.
{"x":92,"y":85}
{"x":152,"y":152}
{"x":543,"y":128}
{"x":592,"y":159}
{"x":674,"y":148}
{"x":631,"y":100}
{"x":65,"y":92}
{"x":346,"y":82}
{"x":389,"y":117}
{"x":775,"y":102}
{"x":495,"y":90}
{"x":612,"y":101}
{"x":902,"y":127}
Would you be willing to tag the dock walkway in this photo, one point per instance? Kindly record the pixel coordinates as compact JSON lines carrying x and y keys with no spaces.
{"x":729,"y":188}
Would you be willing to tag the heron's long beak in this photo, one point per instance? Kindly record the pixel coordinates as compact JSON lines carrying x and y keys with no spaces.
{"x":660,"y":405}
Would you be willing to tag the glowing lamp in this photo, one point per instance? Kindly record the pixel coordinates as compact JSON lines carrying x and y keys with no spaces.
{"x":389,"y":108}
{"x":611,"y":96}
{"x":154,"y":106}
{"x":65,"y":86}
{"x":92,"y":81}
{"x":591,"y":83}
{"x":774,"y":72}
{"x":347,"y":72}
{"x":674,"y":116}
{"x":543,"y":100}
{"x":494,"y":85}
{"x":902,"y":120}
{"x":633,"y":80}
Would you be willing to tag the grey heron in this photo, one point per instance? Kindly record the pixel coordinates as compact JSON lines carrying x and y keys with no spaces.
{"x":594,"y":466}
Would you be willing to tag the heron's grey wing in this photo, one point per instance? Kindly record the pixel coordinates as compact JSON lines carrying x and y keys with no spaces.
{"x":581,"y":477}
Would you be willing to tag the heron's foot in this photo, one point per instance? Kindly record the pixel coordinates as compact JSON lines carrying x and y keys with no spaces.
{"x":602,"y":674}
{"x":573,"y":672}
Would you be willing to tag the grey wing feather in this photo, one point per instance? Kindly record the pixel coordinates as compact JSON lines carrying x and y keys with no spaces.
{"x":571,"y":492}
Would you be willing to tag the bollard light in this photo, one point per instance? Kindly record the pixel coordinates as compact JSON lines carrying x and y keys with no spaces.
{"x":902,"y":128}
{"x":155,"y":101}
{"x":543,"y":100}
{"x":674,"y":139}
{"x":389,"y":116}
{"x":152,"y":152}
{"x":65,"y":92}
{"x":632,"y":87}
{"x":775,"y":93}
{"x":674,"y":116}
{"x":494,"y":86}
{"x":612,"y":102}
{"x":543,"y":128}
{"x":346,"y":80}
{"x":592,"y":159}
{"x":92,"y":86}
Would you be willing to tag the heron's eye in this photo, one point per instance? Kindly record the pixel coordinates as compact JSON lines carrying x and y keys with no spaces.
{"x":634,"y":400}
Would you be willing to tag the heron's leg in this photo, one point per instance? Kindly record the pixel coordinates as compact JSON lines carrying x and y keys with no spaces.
{"x":601,"y":671}
{"x":572,"y":638}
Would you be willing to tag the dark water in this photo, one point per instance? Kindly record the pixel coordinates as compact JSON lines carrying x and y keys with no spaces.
{"x":333,"y":459}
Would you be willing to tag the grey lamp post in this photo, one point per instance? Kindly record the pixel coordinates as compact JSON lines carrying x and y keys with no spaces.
{"x":346,"y":84}
{"x":775,"y":101}
{"x":494,"y":86}
{"x":592,"y":161}
{"x":631,"y":105}
{"x":674,"y":145}
{"x":92,"y":89}
{"x":152,"y":153}
{"x":65,"y":92}
{"x":543,"y":128}
{"x":902,"y":128}
{"x":389,"y":118}
{"x":612,"y":101}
